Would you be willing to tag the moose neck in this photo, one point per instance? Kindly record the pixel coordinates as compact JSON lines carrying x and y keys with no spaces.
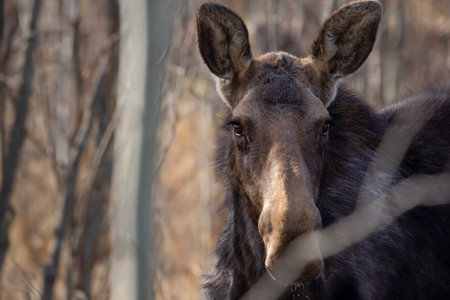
{"x":248,"y":246}
{"x":240,"y":253}
{"x":354,"y":137}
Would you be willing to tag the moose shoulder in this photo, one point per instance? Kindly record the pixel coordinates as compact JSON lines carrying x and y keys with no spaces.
{"x":303,"y":159}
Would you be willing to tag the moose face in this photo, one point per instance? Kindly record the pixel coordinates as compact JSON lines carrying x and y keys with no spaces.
{"x":279,"y":130}
{"x":278,"y":115}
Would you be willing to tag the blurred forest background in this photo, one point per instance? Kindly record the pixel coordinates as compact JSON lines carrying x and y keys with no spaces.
{"x":58,"y":88}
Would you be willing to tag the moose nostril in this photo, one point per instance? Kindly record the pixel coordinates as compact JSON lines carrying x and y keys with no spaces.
{"x":268,"y":79}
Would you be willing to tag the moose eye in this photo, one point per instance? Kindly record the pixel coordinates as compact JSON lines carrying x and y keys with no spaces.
{"x":325,"y":128}
{"x":237,"y":129}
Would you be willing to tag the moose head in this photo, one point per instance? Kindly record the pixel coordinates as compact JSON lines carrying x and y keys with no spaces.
{"x":279,"y":121}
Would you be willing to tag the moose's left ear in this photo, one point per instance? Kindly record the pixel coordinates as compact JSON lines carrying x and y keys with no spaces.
{"x":223,"y":40}
{"x":344,"y":42}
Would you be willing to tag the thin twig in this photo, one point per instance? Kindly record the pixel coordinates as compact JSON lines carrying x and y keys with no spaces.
{"x":173,"y":119}
{"x":100,"y":152}
{"x":29,"y":284}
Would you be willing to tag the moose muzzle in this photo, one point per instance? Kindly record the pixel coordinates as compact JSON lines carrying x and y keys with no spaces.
{"x":287,"y":221}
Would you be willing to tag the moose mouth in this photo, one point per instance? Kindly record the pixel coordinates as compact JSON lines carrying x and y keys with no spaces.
{"x":299,"y":262}
{"x":311,"y":271}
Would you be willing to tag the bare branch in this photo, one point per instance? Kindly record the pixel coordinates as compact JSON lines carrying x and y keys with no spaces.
{"x":18,"y":133}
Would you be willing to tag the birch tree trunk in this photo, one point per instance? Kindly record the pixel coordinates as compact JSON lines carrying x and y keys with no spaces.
{"x":144,"y":35}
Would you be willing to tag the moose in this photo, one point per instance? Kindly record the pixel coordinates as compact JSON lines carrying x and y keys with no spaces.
{"x":298,"y":154}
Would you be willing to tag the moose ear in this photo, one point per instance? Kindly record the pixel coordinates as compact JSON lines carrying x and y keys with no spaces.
{"x":344,"y":42}
{"x":223,"y":40}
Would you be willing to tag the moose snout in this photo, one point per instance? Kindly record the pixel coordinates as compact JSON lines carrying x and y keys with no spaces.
{"x":292,"y":254}
{"x":288,"y":215}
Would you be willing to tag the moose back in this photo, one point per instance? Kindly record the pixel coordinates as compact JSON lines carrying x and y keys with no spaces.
{"x":300,"y":156}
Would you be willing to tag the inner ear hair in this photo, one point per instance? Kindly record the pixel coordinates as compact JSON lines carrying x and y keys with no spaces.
{"x":223,"y":40}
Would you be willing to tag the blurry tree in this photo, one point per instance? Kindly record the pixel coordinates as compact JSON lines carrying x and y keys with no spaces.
{"x":58,"y":70}
{"x":145,"y":37}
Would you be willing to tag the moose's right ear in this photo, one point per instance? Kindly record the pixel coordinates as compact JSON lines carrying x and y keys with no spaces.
{"x":223,"y":40}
